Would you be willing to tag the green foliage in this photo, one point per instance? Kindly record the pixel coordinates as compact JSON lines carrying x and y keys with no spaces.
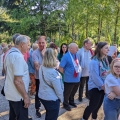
{"x":61,"y":20}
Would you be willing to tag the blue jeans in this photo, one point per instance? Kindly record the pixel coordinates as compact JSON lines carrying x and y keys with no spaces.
{"x":111,"y":108}
{"x":52,"y":109}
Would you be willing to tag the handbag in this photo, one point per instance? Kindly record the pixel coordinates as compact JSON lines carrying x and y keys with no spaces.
{"x":2,"y":91}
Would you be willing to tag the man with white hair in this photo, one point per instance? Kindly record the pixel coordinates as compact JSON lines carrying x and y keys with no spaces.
{"x":17,"y":79}
{"x":71,"y":69}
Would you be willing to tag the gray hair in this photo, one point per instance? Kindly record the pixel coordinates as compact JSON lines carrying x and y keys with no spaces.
{"x":15,"y":36}
{"x":72,"y":44}
{"x":21,"y":38}
{"x":34,"y":46}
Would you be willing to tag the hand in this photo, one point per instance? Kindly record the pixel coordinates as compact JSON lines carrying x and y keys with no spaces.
{"x":26,"y":102}
{"x":43,"y":51}
{"x":111,"y":95}
{"x":103,"y":87}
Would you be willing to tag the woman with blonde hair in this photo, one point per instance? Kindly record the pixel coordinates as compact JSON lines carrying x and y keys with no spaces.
{"x":51,"y":86}
{"x":111,"y":104}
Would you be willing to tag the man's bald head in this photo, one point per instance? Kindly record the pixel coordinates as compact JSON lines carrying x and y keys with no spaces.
{"x":73,"y":48}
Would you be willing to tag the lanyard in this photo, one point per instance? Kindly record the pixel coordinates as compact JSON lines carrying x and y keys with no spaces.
{"x":74,"y":63}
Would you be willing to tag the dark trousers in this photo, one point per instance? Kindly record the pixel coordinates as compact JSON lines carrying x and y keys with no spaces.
{"x":17,"y":111}
{"x":37,"y":100}
{"x":69,"y":92}
{"x":52,"y":109}
{"x":83,"y":80}
{"x":96,"y":99}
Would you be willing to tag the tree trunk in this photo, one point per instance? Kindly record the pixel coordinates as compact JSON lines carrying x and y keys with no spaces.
{"x":42,"y":22}
{"x":68,"y":33}
{"x":87,"y":25}
{"x":116,"y":22}
{"x":99,"y":27}
{"x":73,"y":35}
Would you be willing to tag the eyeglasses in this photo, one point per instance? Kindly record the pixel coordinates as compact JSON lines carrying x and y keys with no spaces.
{"x":117,"y":67}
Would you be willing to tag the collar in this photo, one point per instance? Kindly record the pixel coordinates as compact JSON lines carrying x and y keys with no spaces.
{"x":85,"y":50}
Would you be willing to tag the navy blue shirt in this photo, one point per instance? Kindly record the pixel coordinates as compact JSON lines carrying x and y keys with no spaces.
{"x":67,"y":65}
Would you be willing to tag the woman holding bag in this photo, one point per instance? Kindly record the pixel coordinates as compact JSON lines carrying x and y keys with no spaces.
{"x":51,"y":86}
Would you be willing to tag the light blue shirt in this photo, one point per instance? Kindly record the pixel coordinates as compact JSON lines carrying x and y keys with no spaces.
{"x":67,"y":65}
{"x":30,"y":62}
{"x":95,"y":81}
{"x":51,"y":78}
{"x":38,"y":58}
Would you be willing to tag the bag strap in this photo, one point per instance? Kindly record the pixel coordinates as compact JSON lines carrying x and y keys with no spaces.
{"x":4,"y":62}
{"x":45,"y":80}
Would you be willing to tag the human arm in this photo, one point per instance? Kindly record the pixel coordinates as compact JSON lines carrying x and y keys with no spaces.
{"x":18,"y":82}
{"x":61,"y":69}
{"x":116,"y":90}
{"x":18,"y":71}
{"x":112,"y":83}
{"x":95,"y":73}
{"x":111,"y":95}
{"x":35,"y":60}
{"x":62,"y":64}
{"x":57,"y":85}
{"x":37,"y":66}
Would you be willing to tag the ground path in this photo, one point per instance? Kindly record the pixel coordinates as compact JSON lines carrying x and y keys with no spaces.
{"x":75,"y":114}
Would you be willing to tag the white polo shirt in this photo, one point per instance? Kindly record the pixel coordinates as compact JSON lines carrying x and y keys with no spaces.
{"x":15,"y":65}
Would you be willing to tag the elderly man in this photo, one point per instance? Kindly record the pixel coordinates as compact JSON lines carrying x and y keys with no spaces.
{"x":84,"y":57}
{"x":17,"y":79}
{"x":71,"y":69}
{"x":37,"y":60}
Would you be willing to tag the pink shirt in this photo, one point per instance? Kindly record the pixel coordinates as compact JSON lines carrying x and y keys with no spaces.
{"x":26,"y":56}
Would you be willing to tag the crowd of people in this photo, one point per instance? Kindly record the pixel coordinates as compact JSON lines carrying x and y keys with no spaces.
{"x":55,"y":74}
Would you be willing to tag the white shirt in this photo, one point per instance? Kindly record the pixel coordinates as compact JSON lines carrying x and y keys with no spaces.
{"x":87,"y":59}
{"x":111,"y":81}
{"x":54,"y":79}
{"x":15,"y":65}
{"x":112,"y":50}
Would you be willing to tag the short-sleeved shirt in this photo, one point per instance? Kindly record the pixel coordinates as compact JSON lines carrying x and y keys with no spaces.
{"x":15,"y":65}
{"x":67,"y":65}
{"x":38,"y":58}
{"x":112,"y":50}
{"x":111,"y":81}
